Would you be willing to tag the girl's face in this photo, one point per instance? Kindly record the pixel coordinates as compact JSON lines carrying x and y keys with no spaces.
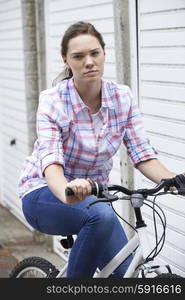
{"x":85,"y":57}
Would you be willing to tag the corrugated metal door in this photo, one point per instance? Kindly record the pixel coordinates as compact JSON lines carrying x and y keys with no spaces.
{"x":59,"y":15}
{"x":12,"y":104}
{"x":161,"y":37}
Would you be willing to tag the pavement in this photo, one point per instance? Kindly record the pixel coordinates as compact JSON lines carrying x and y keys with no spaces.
{"x":18,"y":242}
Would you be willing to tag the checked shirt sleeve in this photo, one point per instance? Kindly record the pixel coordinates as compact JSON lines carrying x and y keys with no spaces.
{"x":135,"y":139}
{"x":49,"y":133}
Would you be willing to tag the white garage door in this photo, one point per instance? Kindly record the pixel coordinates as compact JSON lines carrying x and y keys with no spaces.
{"x":161,"y":37}
{"x":13,"y":113}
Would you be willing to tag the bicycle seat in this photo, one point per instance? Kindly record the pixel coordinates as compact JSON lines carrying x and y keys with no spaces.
{"x":67,"y":242}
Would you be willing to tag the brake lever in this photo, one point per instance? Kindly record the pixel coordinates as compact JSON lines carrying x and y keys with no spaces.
{"x":108,"y":198}
{"x":96,"y":201}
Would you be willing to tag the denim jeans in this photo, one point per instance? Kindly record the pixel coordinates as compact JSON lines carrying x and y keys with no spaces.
{"x":100,"y":234}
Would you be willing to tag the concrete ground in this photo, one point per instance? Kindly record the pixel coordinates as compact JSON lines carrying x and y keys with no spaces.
{"x":18,"y":242}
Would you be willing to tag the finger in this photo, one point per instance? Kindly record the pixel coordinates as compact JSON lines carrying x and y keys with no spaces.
{"x":83,"y":191}
{"x":86,"y":187}
{"x":72,"y":186}
{"x":79,"y":192}
{"x":81,"y":187}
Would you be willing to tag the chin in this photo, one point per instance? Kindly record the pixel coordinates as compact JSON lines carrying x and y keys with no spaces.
{"x":93,"y":78}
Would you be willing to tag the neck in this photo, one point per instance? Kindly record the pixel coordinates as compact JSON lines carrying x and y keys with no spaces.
{"x":90,"y":94}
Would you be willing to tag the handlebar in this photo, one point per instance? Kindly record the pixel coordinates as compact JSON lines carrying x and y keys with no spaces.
{"x":138,"y":198}
{"x":101,"y":190}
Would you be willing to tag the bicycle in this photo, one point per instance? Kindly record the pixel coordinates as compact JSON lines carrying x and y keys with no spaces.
{"x":143,"y":263}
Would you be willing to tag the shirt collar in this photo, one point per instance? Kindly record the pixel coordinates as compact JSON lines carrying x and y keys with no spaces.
{"x":78,"y":103}
{"x":107,"y":95}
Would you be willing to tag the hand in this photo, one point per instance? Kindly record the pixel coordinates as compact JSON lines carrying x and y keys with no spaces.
{"x":81,"y":188}
{"x":179,"y":181}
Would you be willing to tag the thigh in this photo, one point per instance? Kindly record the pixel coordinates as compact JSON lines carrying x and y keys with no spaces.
{"x":46,"y":213}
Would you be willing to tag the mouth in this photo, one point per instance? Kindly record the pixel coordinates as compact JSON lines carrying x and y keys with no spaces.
{"x":91,"y":72}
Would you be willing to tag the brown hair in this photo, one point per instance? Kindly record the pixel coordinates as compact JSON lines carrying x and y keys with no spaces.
{"x":73,"y":31}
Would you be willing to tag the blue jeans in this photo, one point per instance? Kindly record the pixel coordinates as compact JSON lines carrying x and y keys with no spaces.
{"x":100,"y":235}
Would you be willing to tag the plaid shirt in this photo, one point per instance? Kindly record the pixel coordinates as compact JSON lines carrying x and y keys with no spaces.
{"x":66,"y":135}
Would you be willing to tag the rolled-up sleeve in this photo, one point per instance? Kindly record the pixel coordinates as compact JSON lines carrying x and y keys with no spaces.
{"x":135,"y":139}
{"x":50,"y":146}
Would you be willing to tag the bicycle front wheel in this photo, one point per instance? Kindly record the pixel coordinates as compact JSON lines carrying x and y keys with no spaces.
{"x":34,"y":267}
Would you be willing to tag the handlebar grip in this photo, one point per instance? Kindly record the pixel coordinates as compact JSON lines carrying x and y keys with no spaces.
{"x":69,"y":192}
{"x":95,"y":189}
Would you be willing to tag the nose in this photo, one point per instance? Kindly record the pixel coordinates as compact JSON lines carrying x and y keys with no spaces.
{"x":89,"y":62}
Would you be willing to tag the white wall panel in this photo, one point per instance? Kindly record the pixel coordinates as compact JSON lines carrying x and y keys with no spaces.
{"x":161,"y":38}
{"x":163,"y":91}
{"x":165,"y":74}
{"x":163,"y":55}
{"x":166,"y":19}
{"x":9,"y":6}
{"x":73,"y":4}
{"x":163,"y":127}
{"x":12,"y":103}
{"x":158,"y":5}
{"x":164,"y":109}
{"x":84,"y":13}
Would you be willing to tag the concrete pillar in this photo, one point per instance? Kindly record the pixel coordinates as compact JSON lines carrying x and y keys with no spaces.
{"x":33,"y":40}
{"x":30,"y":65}
{"x":123,"y":66}
{"x":41,"y":43}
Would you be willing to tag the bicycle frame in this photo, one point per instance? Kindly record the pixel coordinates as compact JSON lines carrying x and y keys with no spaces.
{"x":138,"y":246}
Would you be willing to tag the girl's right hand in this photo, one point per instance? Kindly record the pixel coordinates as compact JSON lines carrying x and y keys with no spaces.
{"x":81,"y":188}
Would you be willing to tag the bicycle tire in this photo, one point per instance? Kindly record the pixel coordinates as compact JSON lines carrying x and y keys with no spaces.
{"x":34,"y":267}
{"x":168,"y":275}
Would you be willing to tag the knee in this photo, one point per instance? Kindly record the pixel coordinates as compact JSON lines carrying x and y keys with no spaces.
{"x":103,"y":215}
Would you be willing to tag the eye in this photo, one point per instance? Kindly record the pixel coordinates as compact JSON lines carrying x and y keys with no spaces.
{"x":95,"y":53}
{"x":78,"y":56}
